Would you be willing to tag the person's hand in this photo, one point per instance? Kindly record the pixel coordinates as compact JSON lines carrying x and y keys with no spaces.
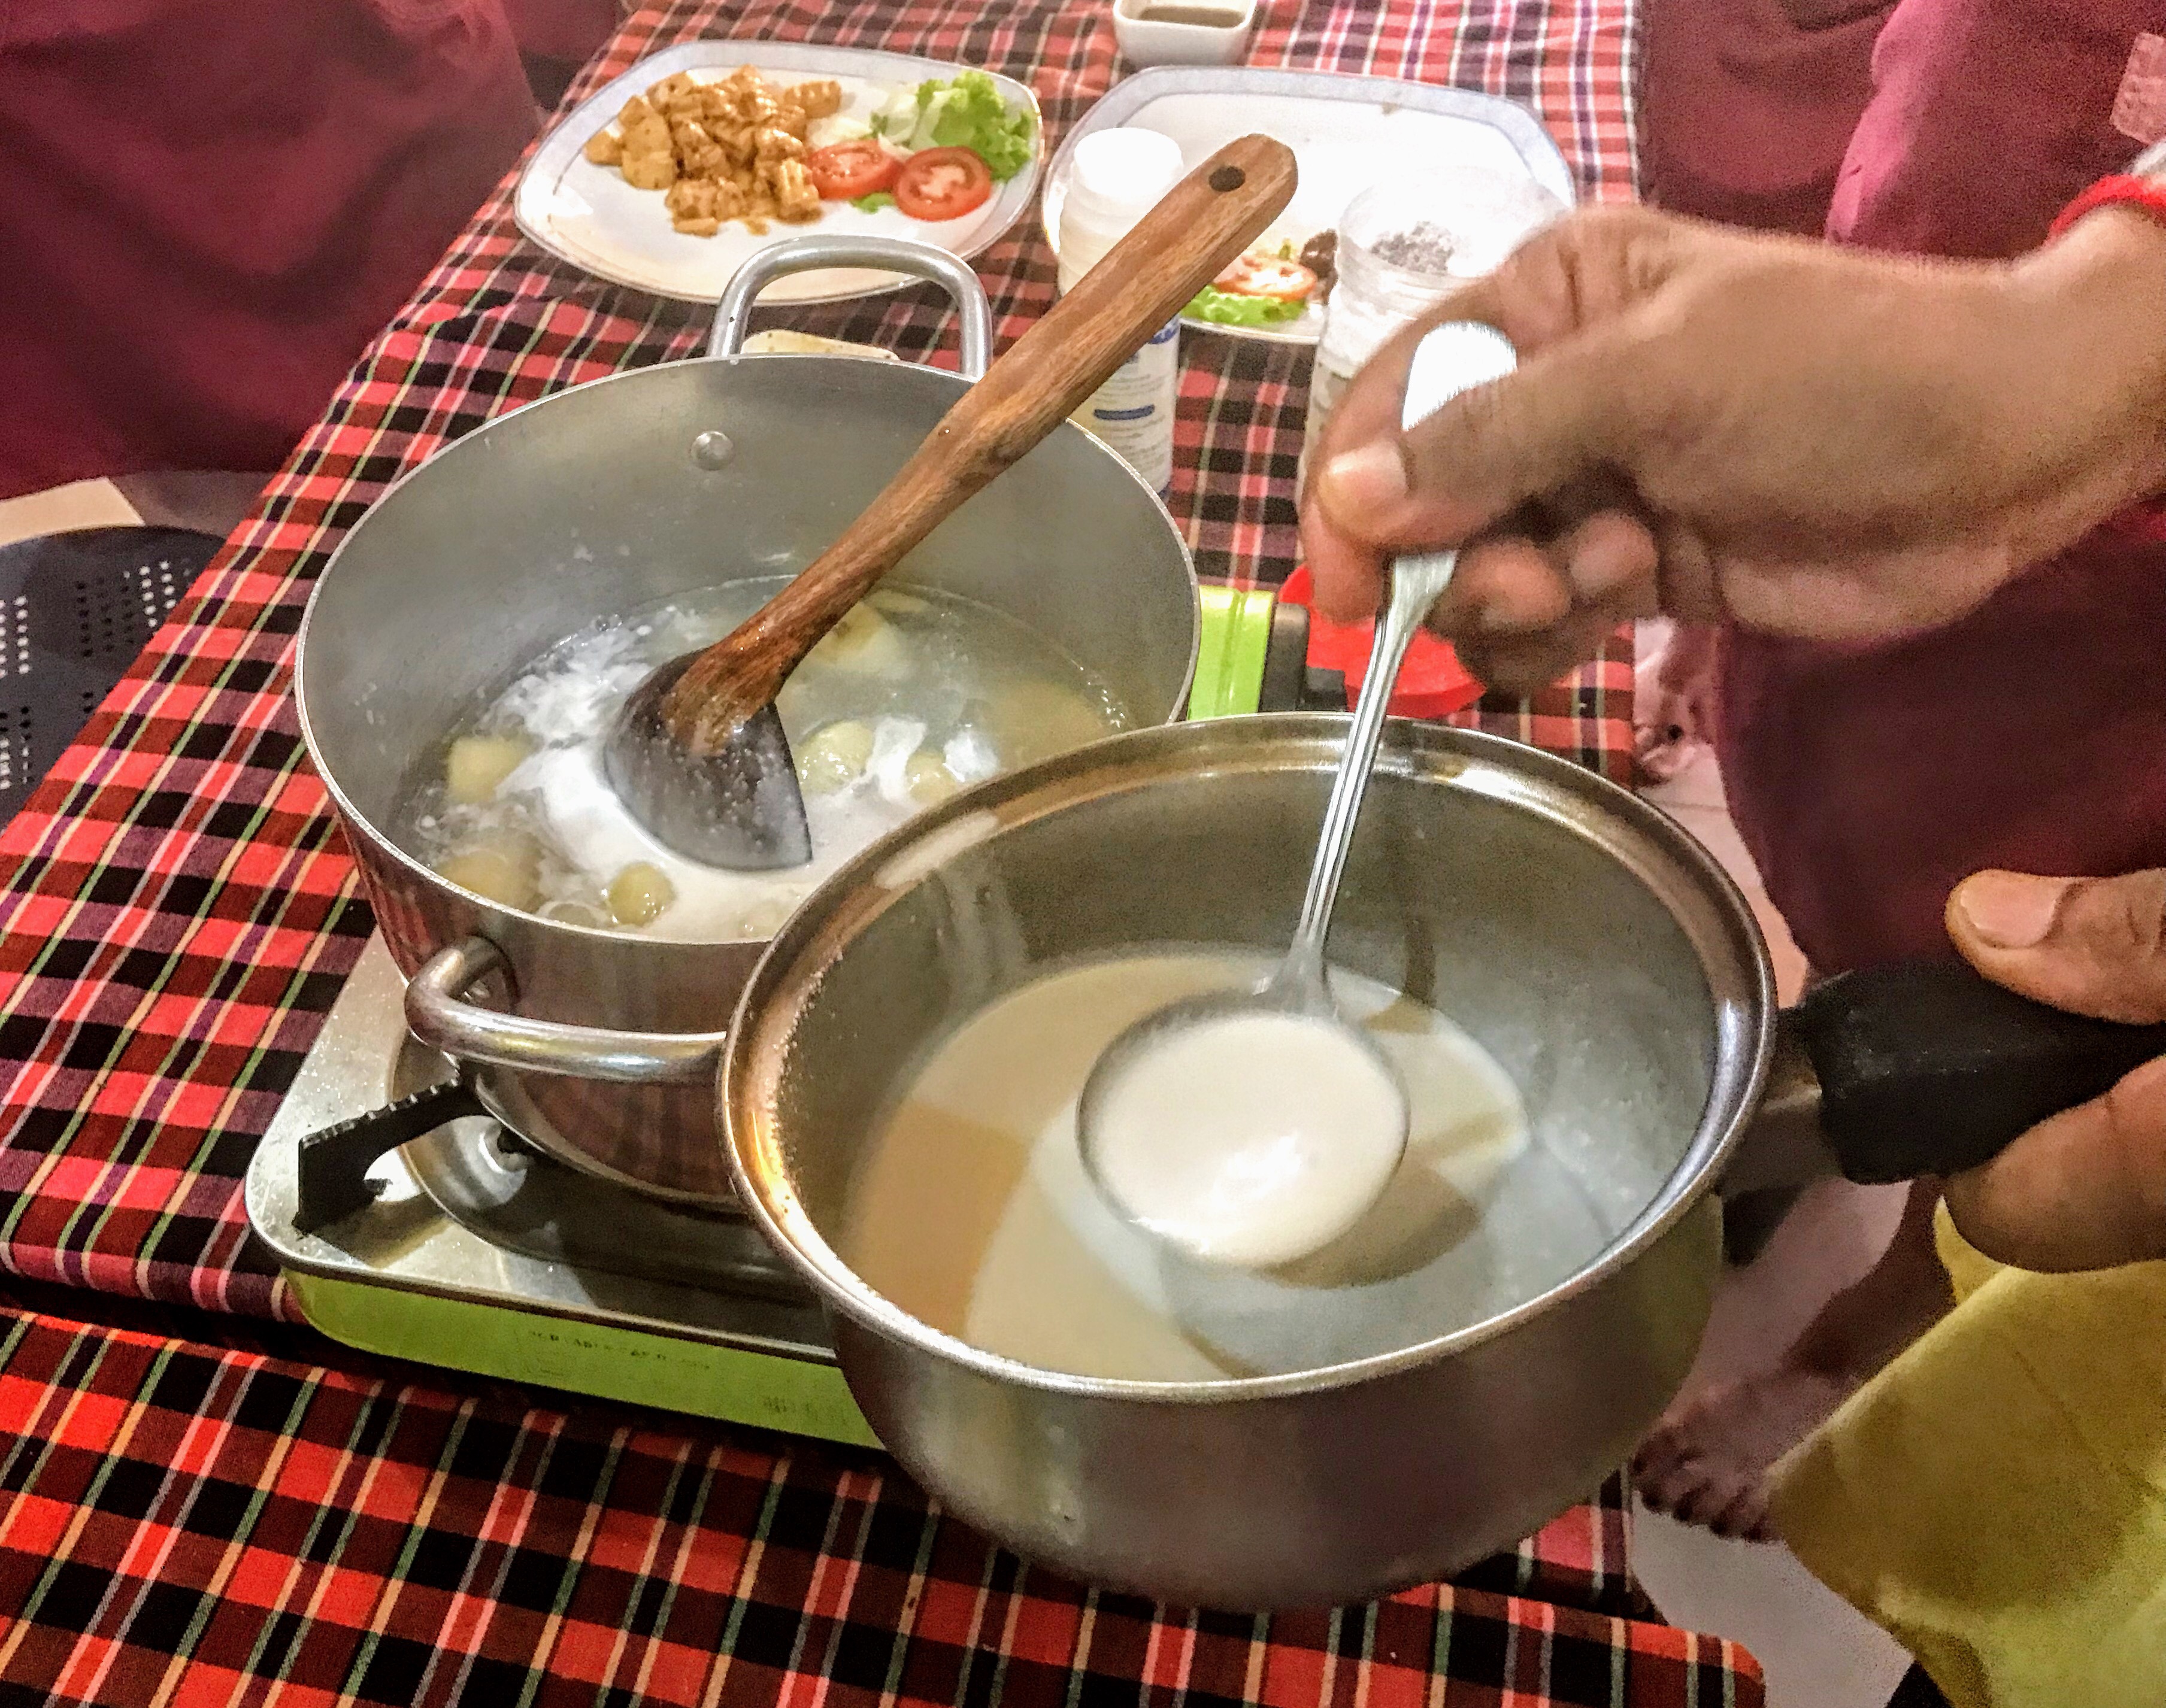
{"x":1816,"y":441}
{"x":2087,"y":1189}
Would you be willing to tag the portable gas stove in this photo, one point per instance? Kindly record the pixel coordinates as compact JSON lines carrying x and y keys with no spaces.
{"x":462,"y":1247}
{"x":413,"y":1224}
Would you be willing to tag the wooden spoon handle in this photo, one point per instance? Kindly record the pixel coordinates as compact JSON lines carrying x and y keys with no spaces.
{"x":1184,"y":243}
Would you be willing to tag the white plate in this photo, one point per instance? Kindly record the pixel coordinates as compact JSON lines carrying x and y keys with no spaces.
{"x":588,"y":215}
{"x":1346,"y":134}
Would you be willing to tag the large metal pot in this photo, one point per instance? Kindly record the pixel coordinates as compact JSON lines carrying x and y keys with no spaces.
{"x":1597,"y":951}
{"x":601,"y":1048}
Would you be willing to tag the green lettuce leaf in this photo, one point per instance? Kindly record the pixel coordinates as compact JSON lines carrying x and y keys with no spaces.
{"x":873,"y":203}
{"x":967,"y":112}
{"x":1232,"y":309}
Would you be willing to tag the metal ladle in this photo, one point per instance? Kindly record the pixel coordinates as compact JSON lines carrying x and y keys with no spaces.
{"x":1283,"y":1195}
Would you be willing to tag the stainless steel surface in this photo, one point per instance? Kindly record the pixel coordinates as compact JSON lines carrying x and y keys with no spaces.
{"x":1127,"y":98}
{"x":1451,"y":359}
{"x":536,"y":197}
{"x":1784,"y":1146}
{"x":594,"y":503}
{"x":1593,"y":948}
{"x":463,"y":1216}
{"x":739,"y":808}
{"x":437,"y":1013}
{"x":974,"y":315}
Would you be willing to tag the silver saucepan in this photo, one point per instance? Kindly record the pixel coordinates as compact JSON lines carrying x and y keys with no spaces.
{"x":1594,"y":949}
{"x":601,"y":1047}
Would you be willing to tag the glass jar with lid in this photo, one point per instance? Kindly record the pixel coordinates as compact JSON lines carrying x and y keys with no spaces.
{"x":1402,"y":247}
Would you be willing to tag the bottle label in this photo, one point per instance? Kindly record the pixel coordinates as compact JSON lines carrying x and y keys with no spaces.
{"x":1132,"y":412}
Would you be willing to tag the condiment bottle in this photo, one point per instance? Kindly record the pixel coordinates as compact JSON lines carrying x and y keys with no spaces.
{"x":1403,"y":246}
{"x":1117,"y":177}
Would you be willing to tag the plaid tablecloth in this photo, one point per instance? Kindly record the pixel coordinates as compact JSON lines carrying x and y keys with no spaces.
{"x":187,"y":1525}
{"x":180,"y":911}
{"x":198,"y":1508}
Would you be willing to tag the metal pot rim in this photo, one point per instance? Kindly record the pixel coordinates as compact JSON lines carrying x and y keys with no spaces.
{"x":1036,"y":792}
{"x":344,"y":804}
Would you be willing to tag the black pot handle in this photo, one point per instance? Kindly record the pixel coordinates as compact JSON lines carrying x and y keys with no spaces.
{"x":1927,"y":1068}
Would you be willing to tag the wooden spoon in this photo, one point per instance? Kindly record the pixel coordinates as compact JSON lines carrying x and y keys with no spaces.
{"x":697,"y":754}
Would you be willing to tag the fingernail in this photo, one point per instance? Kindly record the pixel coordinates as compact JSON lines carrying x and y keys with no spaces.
{"x":1368,"y":475}
{"x":2008,"y":911}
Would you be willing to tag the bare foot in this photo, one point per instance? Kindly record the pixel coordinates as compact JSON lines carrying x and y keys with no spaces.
{"x":1706,"y":1462}
{"x":1675,"y":692}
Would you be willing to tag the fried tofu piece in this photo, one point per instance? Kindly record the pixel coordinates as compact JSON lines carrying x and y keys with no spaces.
{"x":676,"y":97}
{"x":699,"y":206}
{"x":699,"y":155}
{"x":715,"y":111}
{"x":604,"y":148}
{"x":818,"y":99}
{"x":653,"y":170}
{"x":796,"y":199}
{"x":748,"y":99}
{"x":743,"y":146}
{"x":771,"y":144}
{"x":649,"y":162}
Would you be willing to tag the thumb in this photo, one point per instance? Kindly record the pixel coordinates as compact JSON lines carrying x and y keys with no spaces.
{"x":1484,"y":453}
{"x":2085,"y":1190}
{"x":2093,"y":945}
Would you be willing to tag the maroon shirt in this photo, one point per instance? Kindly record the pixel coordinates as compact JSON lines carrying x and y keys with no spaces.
{"x":1867,"y":782}
{"x":208,"y":207}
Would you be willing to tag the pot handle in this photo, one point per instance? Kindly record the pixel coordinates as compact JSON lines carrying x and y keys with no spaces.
{"x":1928,"y":1068}
{"x":439,"y":1015}
{"x":894,"y":255}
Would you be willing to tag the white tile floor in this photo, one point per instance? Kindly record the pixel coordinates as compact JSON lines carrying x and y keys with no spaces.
{"x":1818,"y":1651}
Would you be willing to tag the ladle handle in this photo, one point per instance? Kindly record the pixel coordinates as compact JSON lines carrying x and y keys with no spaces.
{"x":1416,"y":583}
{"x":1453,"y":357}
{"x":1929,"y":1069}
{"x":1184,"y":243}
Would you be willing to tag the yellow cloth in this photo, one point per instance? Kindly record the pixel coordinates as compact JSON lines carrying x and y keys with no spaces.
{"x":1996,"y":1497}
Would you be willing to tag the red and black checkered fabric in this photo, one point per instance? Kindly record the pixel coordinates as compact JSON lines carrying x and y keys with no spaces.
{"x":198,"y":1509}
{"x":186,"y":1525}
{"x":179,"y":911}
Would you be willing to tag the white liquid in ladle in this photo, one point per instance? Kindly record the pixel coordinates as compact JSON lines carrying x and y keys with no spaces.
{"x":1254,"y":1138}
{"x":1254,"y":1130}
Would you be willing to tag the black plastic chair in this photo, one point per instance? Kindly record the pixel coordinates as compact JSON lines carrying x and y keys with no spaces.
{"x":75,"y":609}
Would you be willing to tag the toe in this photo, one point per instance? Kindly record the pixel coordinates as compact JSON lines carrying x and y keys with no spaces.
{"x":1711,"y":1496}
{"x":1745,"y":1515}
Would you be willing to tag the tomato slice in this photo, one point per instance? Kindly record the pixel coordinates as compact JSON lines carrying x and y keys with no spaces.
{"x":1264,"y":274}
{"x":842,"y":171}
{"x":943,"y":183}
